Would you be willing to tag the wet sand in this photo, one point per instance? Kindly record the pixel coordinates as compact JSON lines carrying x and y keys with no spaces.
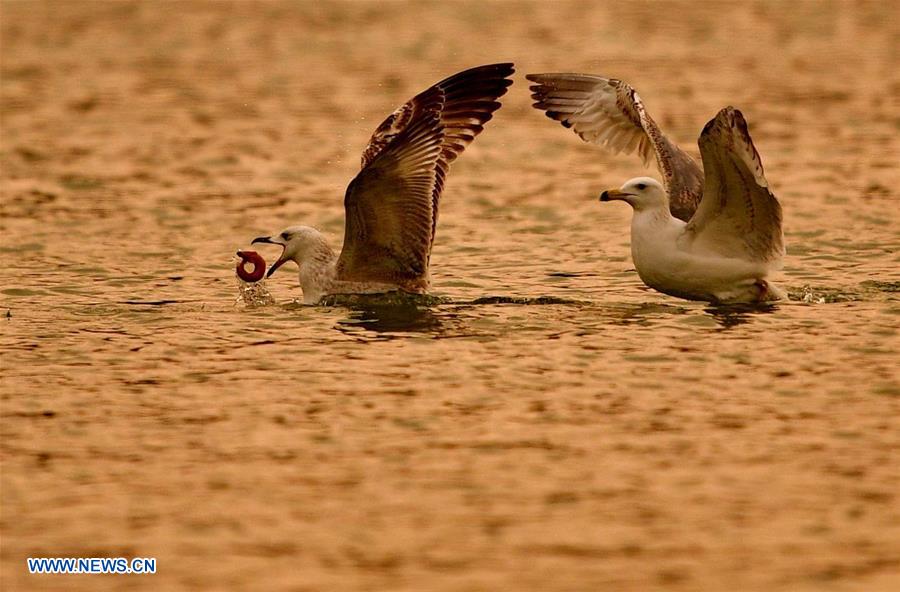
{"x":612,"y":438}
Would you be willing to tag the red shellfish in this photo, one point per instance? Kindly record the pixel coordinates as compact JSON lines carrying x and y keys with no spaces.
{"x":256,"y":261}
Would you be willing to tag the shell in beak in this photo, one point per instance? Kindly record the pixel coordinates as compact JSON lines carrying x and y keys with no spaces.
{"x":254,"y":259}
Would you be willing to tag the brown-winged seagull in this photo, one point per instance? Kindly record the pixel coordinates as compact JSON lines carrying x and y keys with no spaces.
{"x":710,"y":234}
{"x":392,"y":204}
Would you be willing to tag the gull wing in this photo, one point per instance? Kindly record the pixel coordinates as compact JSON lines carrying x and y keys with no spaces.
{"x":470,"y":99}
{"x":389,"y":205}
{"x":392,"y":204}
{"x":609,"y":113}
{"x":739,"y":217}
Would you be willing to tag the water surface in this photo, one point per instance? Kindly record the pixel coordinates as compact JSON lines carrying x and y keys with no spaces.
{"x":548,"y":422}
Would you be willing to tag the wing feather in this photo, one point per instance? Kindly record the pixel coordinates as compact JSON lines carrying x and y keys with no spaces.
{"x":471,"y":97}
{"x":388,"y":205}
{"x":739,"y":216}
{"x":609,"y":113}
{"x":392,"y":204}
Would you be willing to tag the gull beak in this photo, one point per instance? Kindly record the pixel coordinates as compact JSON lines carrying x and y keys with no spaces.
{"x":611,"y":194}
{"x":281,"y":260}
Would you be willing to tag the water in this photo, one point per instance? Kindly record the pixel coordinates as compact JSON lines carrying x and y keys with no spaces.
{"x":543,"y":422}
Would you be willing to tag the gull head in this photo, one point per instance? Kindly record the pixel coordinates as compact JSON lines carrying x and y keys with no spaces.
{"x":642,"y":193}
{"x":298,"y":243}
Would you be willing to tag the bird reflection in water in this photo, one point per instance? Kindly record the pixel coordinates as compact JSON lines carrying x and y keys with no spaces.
{"x":725,"y":316}
{"x":379,"y":317}
{"x":643,"y":314}
{"x":728,"y":316}
{"x":389,"y":321}
{"x":374,"y":318}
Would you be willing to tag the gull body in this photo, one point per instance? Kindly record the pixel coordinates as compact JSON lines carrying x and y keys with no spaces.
{"x":391,"y":205}
{"x":666,"y":263}
{"x":317,"y":265}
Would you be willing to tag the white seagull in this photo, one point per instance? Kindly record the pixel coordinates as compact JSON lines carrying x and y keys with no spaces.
{"x":392,"y":204}
{"x":711,"y":234}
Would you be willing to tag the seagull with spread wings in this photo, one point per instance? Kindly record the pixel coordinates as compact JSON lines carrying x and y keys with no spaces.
{"x":711,"y":233}
{"x":392,"y":204}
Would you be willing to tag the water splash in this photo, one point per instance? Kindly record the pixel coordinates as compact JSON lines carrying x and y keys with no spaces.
{"x":253,"y":294}
{"x":866,"y":290}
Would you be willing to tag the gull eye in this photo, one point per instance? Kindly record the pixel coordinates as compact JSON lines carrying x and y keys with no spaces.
{"x":641,"y":186}
{"x":285,"y":236}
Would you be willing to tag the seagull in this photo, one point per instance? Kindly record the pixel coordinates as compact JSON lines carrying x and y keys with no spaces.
{"x":712,"y":233}
{"x":391,"y":205}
